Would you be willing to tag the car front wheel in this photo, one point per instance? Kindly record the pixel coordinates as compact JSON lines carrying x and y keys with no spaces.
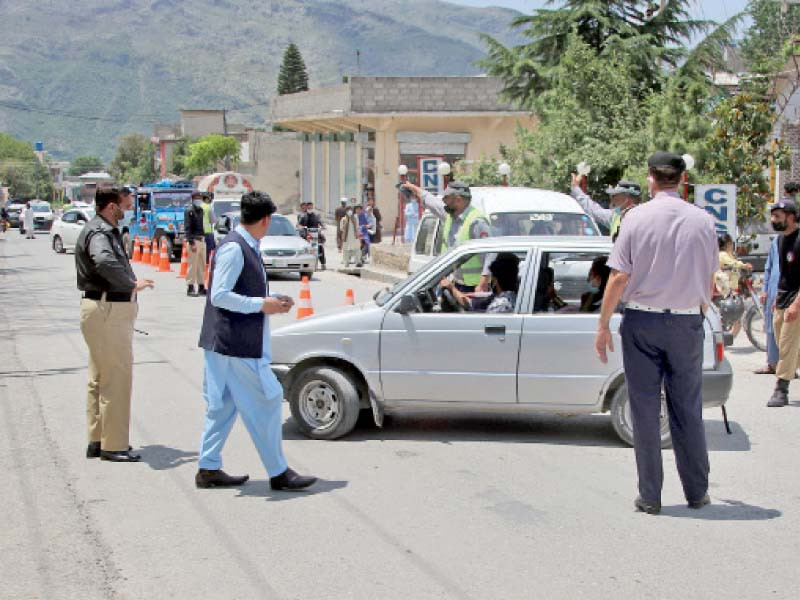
{"x":58,"y":245}
{"x":324,"y":403}
{"x":622,"y":420}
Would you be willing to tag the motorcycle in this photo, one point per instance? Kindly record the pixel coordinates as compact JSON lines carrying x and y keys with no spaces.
{"x":315,"y":238}
{"x":754,"y":323}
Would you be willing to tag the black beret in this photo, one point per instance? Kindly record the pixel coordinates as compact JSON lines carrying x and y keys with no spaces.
{"x":667,"y":159}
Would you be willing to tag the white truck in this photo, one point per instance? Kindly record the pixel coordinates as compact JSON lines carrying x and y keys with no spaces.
{"x":227,"y":188}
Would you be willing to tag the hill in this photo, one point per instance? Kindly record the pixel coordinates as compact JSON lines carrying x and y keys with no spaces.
{"x":79,"y":75}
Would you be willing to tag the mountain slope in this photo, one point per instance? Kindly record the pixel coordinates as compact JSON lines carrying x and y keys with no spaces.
{"x":126,"y":64}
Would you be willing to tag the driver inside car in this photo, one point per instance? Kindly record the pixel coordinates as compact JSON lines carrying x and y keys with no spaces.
{"x":504,"y":270}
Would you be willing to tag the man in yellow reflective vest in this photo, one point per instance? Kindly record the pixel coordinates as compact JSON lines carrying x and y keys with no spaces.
{"x":208,"y":224}
{"x":624,"y":197}
{"x":461,"y":222}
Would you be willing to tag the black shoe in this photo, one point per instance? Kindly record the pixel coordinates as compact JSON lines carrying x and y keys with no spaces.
{"x":93,"y":450}
{"x":695,"y":504}
{"x":208,"y":478}
{"x":190,"y":291}
{"x":119,"y":456}
{"x":289,"y":480}
{"x":651,"y":508}
{"x":779,"y":398}
{"x":201,"y":290}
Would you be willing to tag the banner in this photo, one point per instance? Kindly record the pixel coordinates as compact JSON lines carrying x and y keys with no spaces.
{"x":718,"y":200}
{"x":429,"y":178}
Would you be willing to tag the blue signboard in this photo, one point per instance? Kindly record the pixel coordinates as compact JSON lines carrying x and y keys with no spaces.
{"x":719,"y":200}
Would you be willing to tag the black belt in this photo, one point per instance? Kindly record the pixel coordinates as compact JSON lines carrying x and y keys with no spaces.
{"x":110,"y":296}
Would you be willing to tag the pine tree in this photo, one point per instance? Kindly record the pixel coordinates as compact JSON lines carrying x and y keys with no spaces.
{"x":293,"y":76}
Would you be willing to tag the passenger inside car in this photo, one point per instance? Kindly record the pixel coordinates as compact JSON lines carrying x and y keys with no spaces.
{"x":598,"y":279}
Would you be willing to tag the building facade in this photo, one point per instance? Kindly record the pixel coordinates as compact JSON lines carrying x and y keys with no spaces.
{"x":356,"y":135}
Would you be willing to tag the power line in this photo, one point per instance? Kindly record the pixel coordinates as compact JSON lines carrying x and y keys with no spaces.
{"x":70,"y":115}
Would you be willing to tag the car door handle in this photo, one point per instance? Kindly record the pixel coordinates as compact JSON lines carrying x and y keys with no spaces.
{"x":495,"y":330}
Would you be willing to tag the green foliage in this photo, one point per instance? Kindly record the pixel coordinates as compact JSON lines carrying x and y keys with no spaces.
{"x":740,"y":151}
{"x":85,"y":164}
{"x":210,"y":150}
{"x":292,"y":77}
{"x":134,"y":160}
{"x":483,"y":171}
{"x":765,"y":46}
{"x":622,"y":26}
{"x":180,"y":154}
{"x":22,"y":172}
{"x":585,"y":116}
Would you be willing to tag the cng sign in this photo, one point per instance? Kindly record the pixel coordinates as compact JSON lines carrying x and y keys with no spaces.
{"x":429,"y":178}
{"x":720,"y":202}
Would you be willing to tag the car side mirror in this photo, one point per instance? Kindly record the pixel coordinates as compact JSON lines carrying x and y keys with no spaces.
{"x":408,"y":304}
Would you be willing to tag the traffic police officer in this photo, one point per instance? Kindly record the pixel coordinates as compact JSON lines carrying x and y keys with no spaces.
{"x":462,"y":222}
{"x":108,"y":310}
{"x":624,"y":197}
{"x":194,"y":232}
{"x":664,"y":274}
{"x":208,"y":223}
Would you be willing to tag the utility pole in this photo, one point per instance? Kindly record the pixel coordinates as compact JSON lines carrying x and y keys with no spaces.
{"x":358,"y":62}
{"x":225,"y":133}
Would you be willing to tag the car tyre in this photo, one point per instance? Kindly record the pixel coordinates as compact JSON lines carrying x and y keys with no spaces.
{"x":58,"y":245}
{"x":324,"y":403}
{"x":623,"y":424}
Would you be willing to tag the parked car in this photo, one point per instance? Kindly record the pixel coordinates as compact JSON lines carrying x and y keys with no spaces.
{"x":43,"y":215}
{"x":14,"y":209}
{"x":282,"y":249}
{"x":411,"y":348}
{"x":511,"y":211}
{"x":65,"y":230}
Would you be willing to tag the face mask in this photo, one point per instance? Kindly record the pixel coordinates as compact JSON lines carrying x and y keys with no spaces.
{"x":198,"y":203}
{"x":449,"y":209}
{"x":349,"y":213}
{"x":779,"y":226}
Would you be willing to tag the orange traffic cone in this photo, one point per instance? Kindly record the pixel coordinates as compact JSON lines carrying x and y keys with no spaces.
{"x":163,"y":261}
{"x":154,"y":255}
{"x":208,"y":267}
{"x":184,"y":262}
{"x":137,"y":250}
{"x":349,"y":297}
{"x":304,"y":308}
{"x":146,"y":251}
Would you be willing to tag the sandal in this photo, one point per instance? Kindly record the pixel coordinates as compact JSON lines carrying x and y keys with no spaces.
{"x":768,"y":370}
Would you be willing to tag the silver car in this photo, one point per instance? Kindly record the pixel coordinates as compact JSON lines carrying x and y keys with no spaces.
{"x":282,"y":249}
{"x":412,"y":348}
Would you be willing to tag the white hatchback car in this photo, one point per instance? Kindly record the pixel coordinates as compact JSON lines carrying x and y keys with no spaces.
{"x":65,"y":231}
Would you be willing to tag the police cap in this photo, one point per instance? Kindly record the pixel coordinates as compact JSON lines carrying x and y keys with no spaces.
{"x":629,"y":188}
{"x":667,"y":159}
{"x":197,"y":194}
{"x":457,"y":188}
{"x":785,"y":205}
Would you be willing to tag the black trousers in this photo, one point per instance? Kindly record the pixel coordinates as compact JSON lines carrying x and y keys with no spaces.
{"x":666,"y":350}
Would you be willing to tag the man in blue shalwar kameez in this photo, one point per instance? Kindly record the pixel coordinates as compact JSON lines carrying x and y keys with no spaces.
{"x":236,"y":339}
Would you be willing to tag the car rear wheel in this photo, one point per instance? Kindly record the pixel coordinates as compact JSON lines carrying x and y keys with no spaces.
{"x":324,"y":403}
{"x":58,"y":245}
{"x":622,"y":420}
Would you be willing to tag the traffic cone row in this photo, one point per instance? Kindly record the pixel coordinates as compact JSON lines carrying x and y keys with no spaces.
{"x":146,"y":251}
{"x":154,"y":255}
{"x":184,"y":262}
{"x":163,"y":260}
{"x":137,"y":250}
{"x":304,"y":308}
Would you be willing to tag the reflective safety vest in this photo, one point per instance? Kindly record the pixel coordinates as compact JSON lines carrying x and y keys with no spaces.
{"x":616,"y":220}
{"x":207,"y":227}
{"x":471,"y":270}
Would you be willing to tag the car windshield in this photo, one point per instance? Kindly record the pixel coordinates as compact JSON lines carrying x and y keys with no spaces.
{"x":281,"y":226}
{"x":541,"y":223}
{"x":43,"y":208}
{"x":220,"y":207}
{"x":178,"y":200}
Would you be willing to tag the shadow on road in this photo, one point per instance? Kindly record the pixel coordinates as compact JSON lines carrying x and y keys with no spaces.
{"x":160,"y":457}
{"x":259,"y":488}
{"x":723,"y":510}
{"x":446,"y":428}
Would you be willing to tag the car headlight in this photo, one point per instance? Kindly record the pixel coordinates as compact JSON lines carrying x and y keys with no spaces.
{"x":306,"y":249}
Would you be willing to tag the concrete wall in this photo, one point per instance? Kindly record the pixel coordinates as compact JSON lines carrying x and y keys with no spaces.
{"x":197,"y":123}
{"x":274,"y":167}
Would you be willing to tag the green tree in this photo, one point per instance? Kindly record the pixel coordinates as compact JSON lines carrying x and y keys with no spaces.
{"x":209,"y":151}
{"x":134,"y":160}
{"x":292,"y":77}
{"x":180,"y":154}
{"x":765,"y":44}
{"x":22,"y":172}
{"x":653,"y":40}
{"x":740,"y":151}
{"x":85,"y":164}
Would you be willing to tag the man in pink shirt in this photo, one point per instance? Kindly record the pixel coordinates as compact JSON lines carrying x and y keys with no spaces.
{"x":663,"y":265}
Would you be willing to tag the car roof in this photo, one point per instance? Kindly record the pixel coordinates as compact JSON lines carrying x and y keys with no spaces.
{"x":522,"y":199}
{"x":567,"y":242}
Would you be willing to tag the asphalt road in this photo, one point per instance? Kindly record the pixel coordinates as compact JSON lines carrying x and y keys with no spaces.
{"x":432,"y":506}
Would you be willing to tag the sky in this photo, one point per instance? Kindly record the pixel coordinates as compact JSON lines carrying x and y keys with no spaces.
{"x":714,"y":10}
